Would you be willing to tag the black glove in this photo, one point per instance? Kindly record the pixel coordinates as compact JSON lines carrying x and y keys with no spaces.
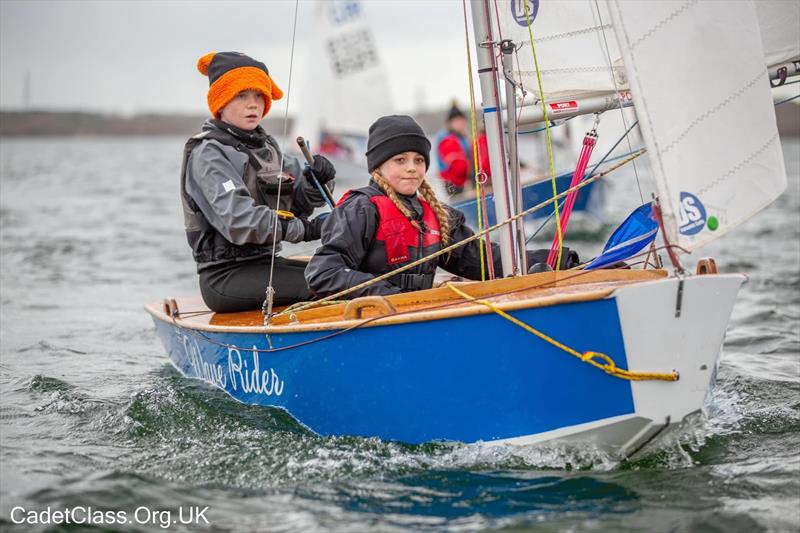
{"x":323,"y":170}
{"x":284,"y":224}
{"x":314,"y":226}
{"x":569,"y":258}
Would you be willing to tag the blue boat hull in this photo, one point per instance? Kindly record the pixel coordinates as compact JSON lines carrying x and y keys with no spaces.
{"x":589,"y":200}
{"x":469,"y":378}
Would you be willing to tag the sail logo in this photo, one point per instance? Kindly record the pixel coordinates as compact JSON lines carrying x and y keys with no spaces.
{"x":518,"y":11}
{"x":692,"y":214}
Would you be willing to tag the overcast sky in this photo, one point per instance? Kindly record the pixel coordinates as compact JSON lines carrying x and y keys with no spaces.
{"x":134,"y":56}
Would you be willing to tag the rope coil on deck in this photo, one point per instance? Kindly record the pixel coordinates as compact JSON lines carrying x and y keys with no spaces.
{"x":609,"y":366}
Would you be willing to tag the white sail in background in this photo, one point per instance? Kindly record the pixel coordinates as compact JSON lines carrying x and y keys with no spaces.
{"x":697,"y":74}
{"x":347,"y":89}
{"x":779,"y":21}
{"x":575,"y":47}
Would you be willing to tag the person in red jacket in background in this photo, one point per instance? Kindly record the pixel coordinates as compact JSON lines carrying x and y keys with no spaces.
{"x":454,"y":152}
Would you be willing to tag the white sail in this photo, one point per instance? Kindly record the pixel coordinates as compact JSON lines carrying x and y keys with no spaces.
{"x":347,"y":89}
{"x":575,"y":47}
{"x":779,"y":21}
{"x":696,"y":71}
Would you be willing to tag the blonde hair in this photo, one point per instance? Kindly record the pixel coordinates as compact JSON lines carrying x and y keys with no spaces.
{"x":426,"y":191}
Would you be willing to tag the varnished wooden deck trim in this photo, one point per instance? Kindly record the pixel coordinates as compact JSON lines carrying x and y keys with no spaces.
{"x":535,"y":290}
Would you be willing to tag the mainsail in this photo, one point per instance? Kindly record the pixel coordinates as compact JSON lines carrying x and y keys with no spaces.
{"x":575,"y":47}
{"x":696,"y":70}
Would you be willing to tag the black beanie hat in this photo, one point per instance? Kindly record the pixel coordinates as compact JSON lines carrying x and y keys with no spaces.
{"x":455,"y":112}
{"x":395,"y":134}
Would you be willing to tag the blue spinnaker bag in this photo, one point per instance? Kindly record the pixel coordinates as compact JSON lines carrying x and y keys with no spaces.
{"x":638,"y":231}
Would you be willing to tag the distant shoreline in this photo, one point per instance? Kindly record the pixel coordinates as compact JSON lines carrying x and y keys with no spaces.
{"x":67,"y":123}
{"x":40,"y":123}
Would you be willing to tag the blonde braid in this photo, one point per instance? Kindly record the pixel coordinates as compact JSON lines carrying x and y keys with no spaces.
{"x":391,"y":193}
{"x":438,"y":209}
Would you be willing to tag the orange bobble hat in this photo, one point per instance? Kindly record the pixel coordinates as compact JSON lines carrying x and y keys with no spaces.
{"x":230,"y":73}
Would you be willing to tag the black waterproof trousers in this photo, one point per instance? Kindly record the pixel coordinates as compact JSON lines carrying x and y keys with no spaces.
{"x":242,"y":285}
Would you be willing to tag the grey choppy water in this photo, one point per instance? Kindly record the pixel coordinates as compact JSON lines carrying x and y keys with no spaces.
{"x":93,"y":415}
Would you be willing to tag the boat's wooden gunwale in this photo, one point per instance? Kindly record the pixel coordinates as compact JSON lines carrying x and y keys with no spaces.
{"x":545,"y":289}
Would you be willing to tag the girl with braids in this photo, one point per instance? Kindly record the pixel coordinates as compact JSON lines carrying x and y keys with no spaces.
{"x":394,"y":220}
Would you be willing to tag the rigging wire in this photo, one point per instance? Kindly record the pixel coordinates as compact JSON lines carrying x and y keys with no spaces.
{"x":270,"y":294}
{"x":494,"y":58}
{"x":559,"y":233}
{"x":590,"y":174}
{"x":475,"y":157}
{"x":521,"y":87}
{"x":616,"y":90}
{"x":553,"y":124}
{"x":788,"y":99}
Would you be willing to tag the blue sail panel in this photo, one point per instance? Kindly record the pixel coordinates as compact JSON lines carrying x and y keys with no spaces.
{"x":632,"y":236}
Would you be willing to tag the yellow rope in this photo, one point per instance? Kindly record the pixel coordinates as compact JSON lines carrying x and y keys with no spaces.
{"x":460,"y":243}
{"x":549,"y":140}
{"x":609,"y":366}
{"x":474,"y":146}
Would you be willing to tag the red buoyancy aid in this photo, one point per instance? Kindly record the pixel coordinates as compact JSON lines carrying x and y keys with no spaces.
{"x":399,"y":234}
{"x":396,"y":233}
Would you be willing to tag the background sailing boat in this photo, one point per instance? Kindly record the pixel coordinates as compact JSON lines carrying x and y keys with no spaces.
{"x":347,"y":87}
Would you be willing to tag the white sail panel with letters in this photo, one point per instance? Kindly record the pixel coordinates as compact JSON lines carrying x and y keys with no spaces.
{"x":696,"y":70}
{"x":347,"y":88}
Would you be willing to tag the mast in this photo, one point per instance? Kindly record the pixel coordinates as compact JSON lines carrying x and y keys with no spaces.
{"x":488,"y":75}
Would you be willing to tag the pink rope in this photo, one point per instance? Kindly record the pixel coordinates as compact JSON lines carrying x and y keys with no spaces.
{"x":580,"y":170}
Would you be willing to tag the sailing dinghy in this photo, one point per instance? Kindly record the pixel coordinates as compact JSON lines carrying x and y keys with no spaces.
{"x":606,"y":356}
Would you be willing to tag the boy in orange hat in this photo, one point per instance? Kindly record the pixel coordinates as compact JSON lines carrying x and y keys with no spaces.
{"x":237,"y":186}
